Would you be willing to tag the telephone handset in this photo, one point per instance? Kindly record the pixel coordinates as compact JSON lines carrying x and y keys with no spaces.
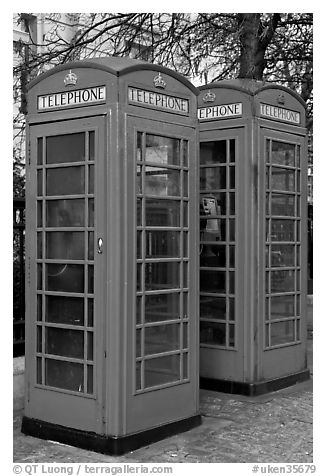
{"x":210,"y":228}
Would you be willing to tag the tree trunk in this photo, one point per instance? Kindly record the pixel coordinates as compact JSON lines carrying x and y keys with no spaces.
{"x":254,"y":40}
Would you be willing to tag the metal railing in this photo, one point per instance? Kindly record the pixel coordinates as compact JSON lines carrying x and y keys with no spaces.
{"x":19,"y":277}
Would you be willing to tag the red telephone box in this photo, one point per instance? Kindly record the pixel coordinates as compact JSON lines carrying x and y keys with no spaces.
{"x":253,"y":244}
{"x":111,"y":321}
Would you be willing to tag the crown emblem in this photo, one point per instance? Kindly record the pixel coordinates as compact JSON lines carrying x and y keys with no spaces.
{"x":159,"y":81}
{"x":70,"y":79}
{"x":281,"y":98}
{"x":209,"y":96}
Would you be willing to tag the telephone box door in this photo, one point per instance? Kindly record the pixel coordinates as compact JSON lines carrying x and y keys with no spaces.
{"x":65,"y":272}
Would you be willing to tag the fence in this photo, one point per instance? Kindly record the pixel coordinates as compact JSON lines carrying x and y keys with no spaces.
{"x":19,"y":277}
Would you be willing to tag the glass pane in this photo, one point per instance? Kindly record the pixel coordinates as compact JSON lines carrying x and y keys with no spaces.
{"x":213,"y":256}
{"x":231,"y":309}
{"x":231,"y":282}
{"x":162,"y":212}
{"x":185,"y":335}
{"x":138,"y":375}
{"x":212,"y":229}
{"x":90,"y":317}
{"x":65,"y":245}
{"x":91,"y":145}
{"x":38,"y":370}
{"x":185,"y":184}
{"x":232,"y":177}
{"x":61,"y":213}
{"x":282,"y":230}
{"x":185,"y":365}
{"x":231,"y":335}
{"x":67,"y":375}
{"x":162,"y":370}
{"x":65,"y":148}
{"x":90,"y":245}
{"x":90,"y":279}
{"x":212,"y":281}
{"x":162,"y":307}
{"x":162,"y":150}
{"x":39,"y":276}
{"x":231,"y":203}
{"x":139,"y":187}
{"x":213,"y":307}
{"x":283,"y":154}
{"x":162,"y":182}
{"x":89,"y":379}
{"x":91,"y":179}
{"x":282,"y":281}
{"x":282,"y":332}
{"x":139,"y":245}
{"x":91,"y":212}
{"x":231,"y":230}
{"x":213,"y":178}
{"x":138,"y":342}
{"x":185,"y":153}
{"x":282,"y":205}
{"x":283,"y":255}
{"x":39,"y":151}
{"x":40,"y":183}
{"x":162,"y":244}
{"x":212,"y":333}
{"x":39,"y":213}
{"x":65,"y":310}
{"x":232,"y":150}
{"x":231,"y":256}
{"x":38,"y":339}
{"x":213,"y":152}
{"x":39,"y":245}
{"x":283,"y":179}
{"x":214,"y":204}
{"x":139,"y":146}
{"x":139,"y":309}
{"x":65,"y":342}
{"x":65,"y":181}
{"x":39,"y":308}
{"x":162,"y":338}
{"x":65,"y":277}
{"x":162,"y":275}
{"x":139,"y":211}
{"x":90,"y":346}
{"x":282,"y":306}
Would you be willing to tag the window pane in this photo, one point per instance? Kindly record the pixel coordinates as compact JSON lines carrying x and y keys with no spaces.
{"x":282,"y":205}
{"x":213,"y":152}
{"x":161,"y":370}
{"x":214,"y":204}
{"x":283,"y":179}
{"x":162,"y":212}
{"x":213,"y":307}
{"x":65,"y":277}
{"x":65,"y":310}
{"x":283,"y":154}
{"x":282,"y":332}
{"x":282,"y":230}
{"x":65,"y":181}
{"x":162,"y":244}
{"x":212,"y":333}
{"x":162,"y":150}
{"x":61,"y":213}
{"x":161,"y":307}
{"x":65,"y":245}
{"x":282,"y":281}
{"x":39,"y":151}
{"x":65,"y":342}
{"x":212,"y":281}
{"x":162,"y":338}
{"x":91,"y":145}
{"x":282,"y":306}
{"x":213,"y":256}
{"x":67,"y":375}
{"x":213,"y":178}
{"x":91,"y":179}
{"x":162,"y":182}
{"x":162,"y":275}
{"x":65,"y":148}
{"x":283,"y":255}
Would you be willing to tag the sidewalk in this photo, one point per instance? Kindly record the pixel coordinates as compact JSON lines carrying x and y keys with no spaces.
{"x":272,"y":428}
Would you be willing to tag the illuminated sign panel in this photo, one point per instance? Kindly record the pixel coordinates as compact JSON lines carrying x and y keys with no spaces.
{"x":220,"y":112}
{"x":279,"y":113}
{"x":155,"y":100}
{"x":72,"y":98}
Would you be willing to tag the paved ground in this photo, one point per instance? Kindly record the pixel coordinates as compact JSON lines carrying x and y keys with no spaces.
{"x":273,"y":428}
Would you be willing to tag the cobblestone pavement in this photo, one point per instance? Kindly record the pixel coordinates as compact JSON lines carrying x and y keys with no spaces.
{"x":272,"y":428}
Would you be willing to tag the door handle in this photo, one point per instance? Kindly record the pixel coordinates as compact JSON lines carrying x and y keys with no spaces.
{"x":100,"y":246}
